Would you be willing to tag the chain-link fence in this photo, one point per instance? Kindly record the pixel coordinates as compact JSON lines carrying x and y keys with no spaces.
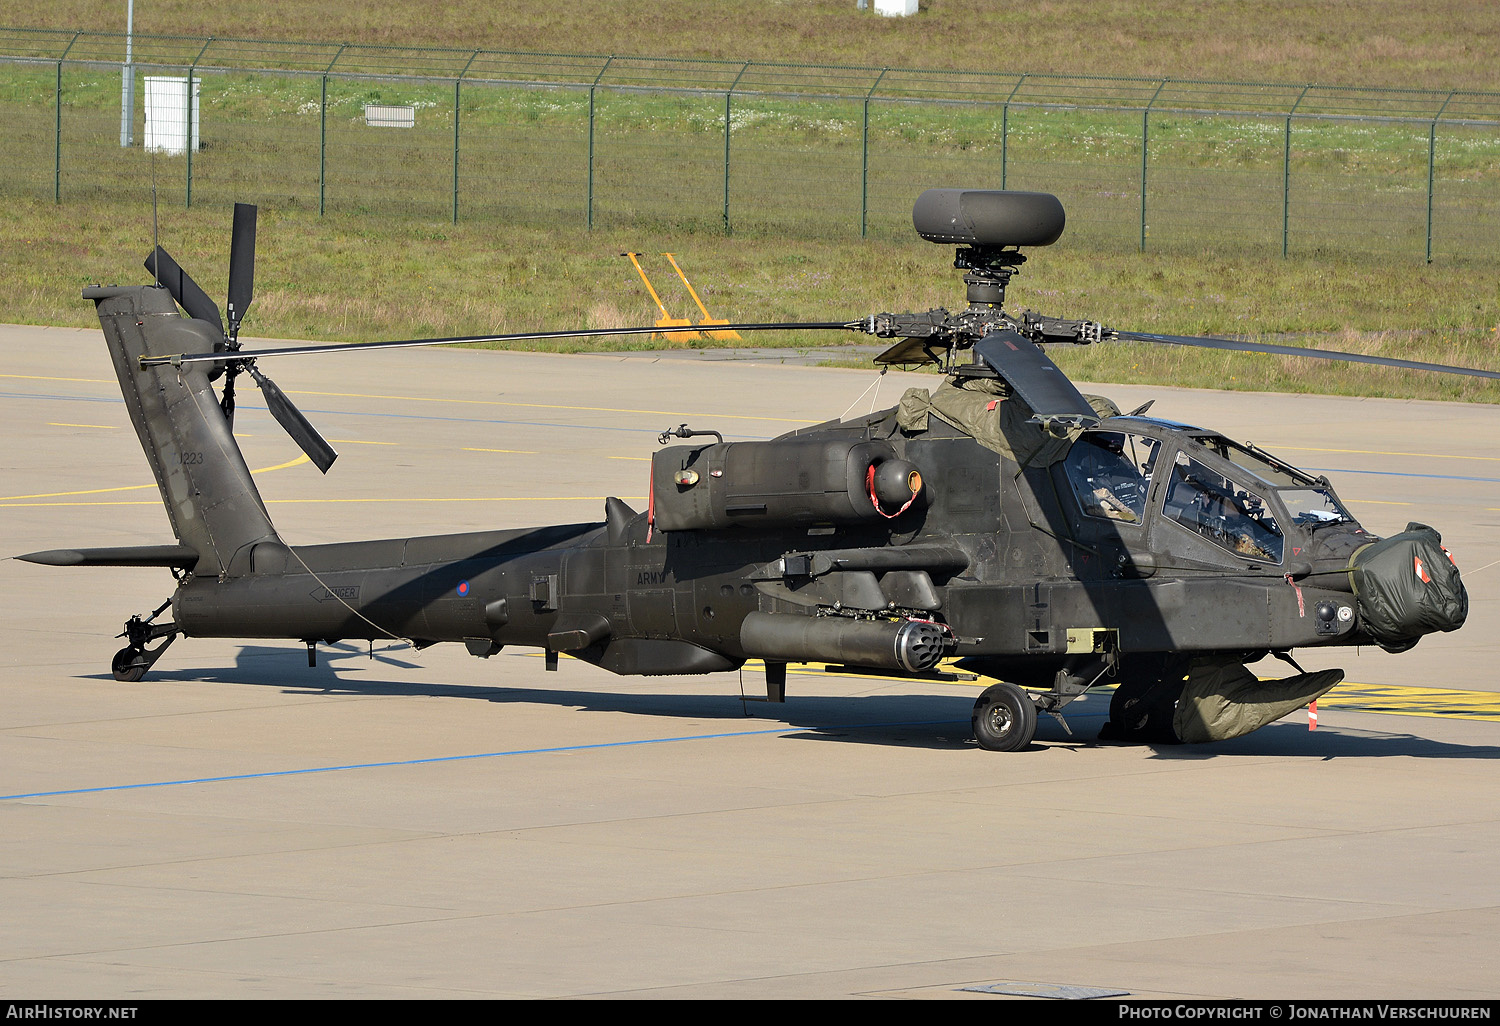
{"x":746,"y":147}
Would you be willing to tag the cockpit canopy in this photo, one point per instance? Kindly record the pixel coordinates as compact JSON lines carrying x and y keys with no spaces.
{"x":1235,"y":496}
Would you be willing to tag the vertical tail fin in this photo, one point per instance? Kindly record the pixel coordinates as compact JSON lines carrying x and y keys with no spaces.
{"x":205,"y":484}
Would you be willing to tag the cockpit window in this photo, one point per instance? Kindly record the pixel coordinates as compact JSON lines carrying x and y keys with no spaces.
{"x":1262,"y":464}
{"x":1110,"y":472}
{"x":1227,"y":514}
{"x":1313,"y":506}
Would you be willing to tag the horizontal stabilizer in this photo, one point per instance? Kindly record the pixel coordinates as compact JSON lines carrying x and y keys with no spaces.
{"x":177,"y":556}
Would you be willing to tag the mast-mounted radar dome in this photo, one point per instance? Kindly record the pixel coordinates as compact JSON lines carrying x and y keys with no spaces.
{"x":988,"y":217}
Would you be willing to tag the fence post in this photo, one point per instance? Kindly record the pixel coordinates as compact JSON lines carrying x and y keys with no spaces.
{"x":1431,"y":155}
{"x":57,"y":139}
{"x":589,"y":217}
{"x":188,"y":120}
{"x":57,"y":125}
{"x":323,"y":148}
{"x":456,"y":83}
{"x":1286,"y":173}
{"x":1145,"y":116}
{"x":864,"y":169}
{"x":727,"y":94}
{"x":1286,"y":184}
{"x":323,"y":133}
{"x":456,"y":149}
{"x":1431,"y":162}
{"x":1005,"y":130}
{"x":1004,"y":141}
{"x":187,"y":136}
{"x":589,"y":201}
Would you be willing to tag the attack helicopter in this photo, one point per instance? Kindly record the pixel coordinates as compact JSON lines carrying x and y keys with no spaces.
{"x":1003,"y":524}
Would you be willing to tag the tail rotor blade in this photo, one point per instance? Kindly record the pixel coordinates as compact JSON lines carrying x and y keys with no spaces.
{"x":291,"y":419}
{"x":183,"y":288}
{"x":241,"y":265}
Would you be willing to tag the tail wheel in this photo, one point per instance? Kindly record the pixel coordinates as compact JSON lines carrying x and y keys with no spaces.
{"x":130,"y":664}
{"x":1004,"y":718}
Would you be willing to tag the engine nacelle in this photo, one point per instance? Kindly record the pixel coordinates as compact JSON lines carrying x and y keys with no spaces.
{"x":782,"y":483}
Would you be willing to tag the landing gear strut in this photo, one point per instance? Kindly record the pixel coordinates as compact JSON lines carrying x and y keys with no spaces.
{"x":131,"y":662}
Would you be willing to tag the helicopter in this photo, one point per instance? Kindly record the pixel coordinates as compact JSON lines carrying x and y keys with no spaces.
{"x":1002,"y":525}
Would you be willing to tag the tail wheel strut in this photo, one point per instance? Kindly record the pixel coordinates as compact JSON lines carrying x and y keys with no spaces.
{"x":131,"y":662}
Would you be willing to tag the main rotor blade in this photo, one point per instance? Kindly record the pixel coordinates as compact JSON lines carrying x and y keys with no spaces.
{"x":350,"y":347}
{"x":1319,"y":354}
{"x":291,"y":419}
{"x":241,"y":264}
{"x":1038,"y":381}
{"x":183,"y":288}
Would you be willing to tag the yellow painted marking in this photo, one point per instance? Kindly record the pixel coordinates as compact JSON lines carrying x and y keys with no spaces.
{"x":20,"y":505}
{"x":359,"y":441}
{"x":43,"y":377}
{"x":517,"y":452}
{"x":633,"y":459}
{"x":476,"y":498}
{"x":102,"y":427}
{"x":1377,"y":698}
{"x":542,"y":406}
{"x":464,"y":402}
{"x":1382,"y":452}
{"x":1409,"y":701}
{"x":8,"y":499}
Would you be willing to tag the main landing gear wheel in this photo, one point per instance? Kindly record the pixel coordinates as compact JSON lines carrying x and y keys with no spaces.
{"x":1004,"y":718}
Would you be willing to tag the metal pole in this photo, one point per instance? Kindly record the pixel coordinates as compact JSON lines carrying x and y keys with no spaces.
{"x":127,"y":79}
{"x":589,"y":207}
{"x":323,"y":148}
{"x":1431,"y":165}
{"x":57,"y":141}
{"x":190,"y":142}
{"x":1144,"y":115}
{"x":1286,"y":173}
{"x":456,"y":82}
{"x":728,"y":93}
{"x":1431,"y":156}
{"x":1286,"y":186}
{"x":592,"y":87}
{"x":187,"y":138}
{"x":1004,"y":140}
{"x":323,"y":132}
{"x":864,"y":170}
{"x":455,"y":150}
{"x":864,"y":173}
{"x":57,"y":125}
{"x":1005,"y":130}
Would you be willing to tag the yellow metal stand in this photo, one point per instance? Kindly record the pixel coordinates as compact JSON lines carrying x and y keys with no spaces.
{"x":725,"y":336}
{"x":667,"y":320}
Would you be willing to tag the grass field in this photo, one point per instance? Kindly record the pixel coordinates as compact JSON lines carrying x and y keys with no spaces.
{"x":388,"y":259}
{"x":1441,"y":44}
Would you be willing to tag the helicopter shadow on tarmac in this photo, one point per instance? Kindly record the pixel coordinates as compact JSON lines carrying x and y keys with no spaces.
{"x":934,"y":722}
